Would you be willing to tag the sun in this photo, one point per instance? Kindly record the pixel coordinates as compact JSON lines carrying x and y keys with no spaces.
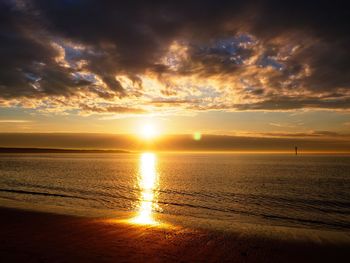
{"x":148,"y":131}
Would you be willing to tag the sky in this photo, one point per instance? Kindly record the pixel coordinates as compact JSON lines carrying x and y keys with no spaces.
{"x":239,"y":68}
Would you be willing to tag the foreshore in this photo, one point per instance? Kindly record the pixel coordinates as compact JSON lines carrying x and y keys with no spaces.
{"x":28,"y":236}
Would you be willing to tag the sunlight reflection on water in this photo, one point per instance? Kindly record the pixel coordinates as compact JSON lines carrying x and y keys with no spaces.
{"x":148,"y":182}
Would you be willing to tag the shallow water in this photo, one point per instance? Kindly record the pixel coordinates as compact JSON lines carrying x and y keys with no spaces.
{"x":308,"y":191}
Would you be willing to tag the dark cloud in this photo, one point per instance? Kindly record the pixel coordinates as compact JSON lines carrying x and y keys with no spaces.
{"x":316,"y":134}
{"x":28,"y":61}
{"x":266,"y":55}
{"x":285,"y":103}
{"x":175,"y":142}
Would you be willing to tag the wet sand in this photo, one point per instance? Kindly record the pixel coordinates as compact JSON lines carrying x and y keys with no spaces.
{"x":27,"y":236}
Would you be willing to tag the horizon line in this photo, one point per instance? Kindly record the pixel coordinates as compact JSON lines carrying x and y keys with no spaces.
{"x":115,"y":150}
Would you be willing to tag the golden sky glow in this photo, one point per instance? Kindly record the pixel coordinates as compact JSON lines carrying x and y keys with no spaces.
{"x":171,"y":70}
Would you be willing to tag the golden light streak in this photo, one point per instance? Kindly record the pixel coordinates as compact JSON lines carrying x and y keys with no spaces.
{"x":148,"y":183}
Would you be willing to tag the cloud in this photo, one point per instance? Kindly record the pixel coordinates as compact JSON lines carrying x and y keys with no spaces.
{"x":136,"y":57}
{"x":14,"y":121}
{"x":111,"y":109}
{"x":310,"y":134}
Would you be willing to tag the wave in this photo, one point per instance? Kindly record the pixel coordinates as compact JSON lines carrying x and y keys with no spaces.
{"x":229,"y":211}
{"x":41,"y":193}
{"x":337,"y":225}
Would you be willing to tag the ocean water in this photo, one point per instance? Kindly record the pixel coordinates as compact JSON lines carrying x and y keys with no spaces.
{"x":306,"y":191}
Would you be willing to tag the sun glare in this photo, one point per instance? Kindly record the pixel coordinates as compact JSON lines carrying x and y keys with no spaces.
{"x":148,"y":131}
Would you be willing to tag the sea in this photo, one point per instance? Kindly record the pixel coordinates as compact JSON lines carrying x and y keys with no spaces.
{"x":303,"y":191}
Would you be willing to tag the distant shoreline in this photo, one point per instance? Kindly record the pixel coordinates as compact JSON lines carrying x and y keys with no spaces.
{"x":53,"y":150}
{"x":67,"y":150}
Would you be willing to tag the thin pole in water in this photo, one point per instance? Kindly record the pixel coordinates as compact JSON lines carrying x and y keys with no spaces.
{"x":296,"y":150}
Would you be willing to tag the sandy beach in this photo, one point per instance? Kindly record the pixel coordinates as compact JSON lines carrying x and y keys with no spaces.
{"x":28,"y":236}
